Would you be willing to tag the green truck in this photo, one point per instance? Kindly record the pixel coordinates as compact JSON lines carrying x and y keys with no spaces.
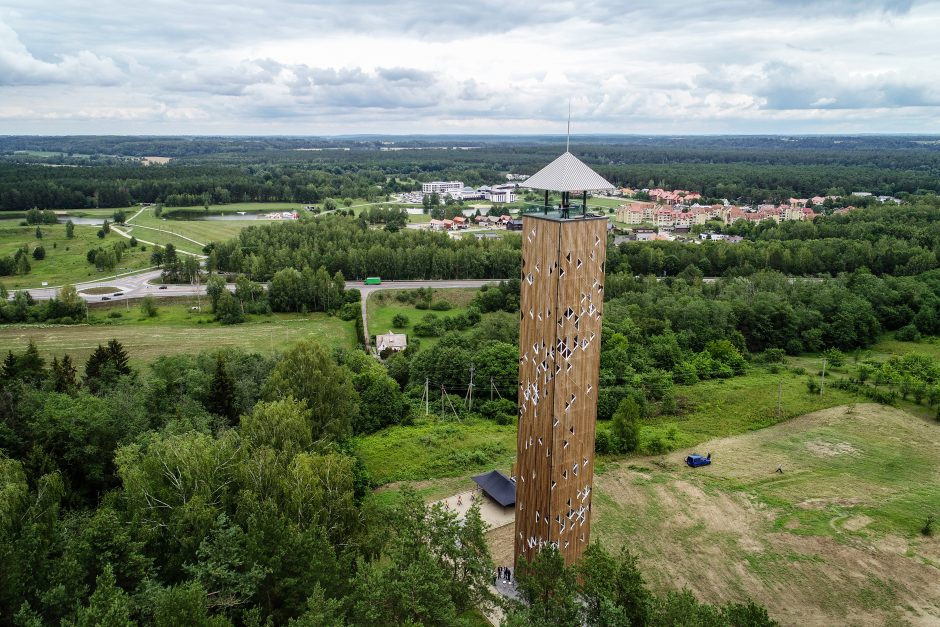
{"x":373,"y":280}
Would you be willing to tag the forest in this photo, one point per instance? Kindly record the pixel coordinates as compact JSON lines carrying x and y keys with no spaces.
{"x":221,"y":488}
{"x":106,"y":172}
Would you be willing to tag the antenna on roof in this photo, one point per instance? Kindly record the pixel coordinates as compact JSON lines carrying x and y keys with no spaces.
{"x":568,"y":139}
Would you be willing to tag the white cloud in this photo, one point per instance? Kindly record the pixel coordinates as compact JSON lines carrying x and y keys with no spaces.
{"x":291,"y":66}
{"x":19,"y":67}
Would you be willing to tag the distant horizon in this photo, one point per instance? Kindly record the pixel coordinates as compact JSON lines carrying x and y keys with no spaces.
{"x":462,"y":135}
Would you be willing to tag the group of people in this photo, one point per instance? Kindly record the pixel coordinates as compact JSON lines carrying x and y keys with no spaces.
{"x":503,"y":573}
{"x":473,"y":497}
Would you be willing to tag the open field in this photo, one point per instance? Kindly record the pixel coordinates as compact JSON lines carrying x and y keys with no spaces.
{"x":833,"y":540}
{"x":65,"y":260}
{"x":176,"y":329}
{"x":263,"y":207}
{"x":437,"y":449}
{"x":725,"y":407}
{"x":65,"y":214}
{"x":203,"y":231}
{"x":382,"y":307}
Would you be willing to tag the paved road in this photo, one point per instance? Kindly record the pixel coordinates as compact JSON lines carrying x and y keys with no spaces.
{"x":138,"y":285}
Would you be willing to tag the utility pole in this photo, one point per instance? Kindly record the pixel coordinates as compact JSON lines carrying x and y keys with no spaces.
{"x":470,"y":389}
{"x":779,"y":398}
{"x":822,"y":379}
{"x":427,"y":398}
{"x":491,"y":388}
{"x":442,"y":401}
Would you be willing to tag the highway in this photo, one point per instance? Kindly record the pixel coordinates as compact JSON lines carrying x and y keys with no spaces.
{"x":139,"y":285}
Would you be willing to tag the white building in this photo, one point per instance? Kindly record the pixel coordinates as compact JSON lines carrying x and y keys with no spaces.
{"x":441,"y":187}
{"x":394,"y":342}
{"x":502,"y":195}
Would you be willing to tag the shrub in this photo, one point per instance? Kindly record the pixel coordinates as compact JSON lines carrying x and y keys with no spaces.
{"x":668,"y":404}
{"x":626,"y":425}
{"x":148,"y":307}
{"x":39,"y":253}
{"x":349,"y":311}
{"x":834,"y":356}
{"x":400,"y":321}
{"x":430,"y":326}
{"x":907,"y":333}
{"x":927,"y":529}
{"x":657,"y":446}
{"x":440,"y":305}
{"x":773,"y":356}
{"x":604,"y":442}
{"x":812,"y":385}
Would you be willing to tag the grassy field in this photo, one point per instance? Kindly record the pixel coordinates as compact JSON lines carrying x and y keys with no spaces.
{"x":65,"y":260}
{"x":726,"y":407}
{"x":203,"y":231}
{"x":176,"y":329}
{"x":382,"y":307}
{"x":437,"y":450}
{"x":833,"y":540}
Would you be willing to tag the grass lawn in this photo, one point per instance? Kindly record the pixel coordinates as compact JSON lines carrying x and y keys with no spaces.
{"x":174,"y":330}
{"x":888,"y":346}
{"x":65,"y":260}
{"x":95,"y":213}
{"x":383,"y":306}
{"x":835,"y":539}
{"x":203,"y":231}
{"x":259,"y":207}
{"x":726,"y":407}
{"x":437,"y":449}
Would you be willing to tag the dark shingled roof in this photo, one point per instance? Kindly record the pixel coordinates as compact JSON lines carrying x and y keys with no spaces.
{"x":498,"y":487}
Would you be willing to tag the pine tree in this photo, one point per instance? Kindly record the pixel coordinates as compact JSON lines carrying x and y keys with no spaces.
{"x":222,"y":392}
{"x":64,"y":375}
{"x":118,"y":357}
{"x":9,"y":366}
{"x":97,"y":364}
{"x":30,"y":366}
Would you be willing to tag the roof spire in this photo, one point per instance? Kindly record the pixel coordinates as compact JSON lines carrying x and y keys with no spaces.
{"x":568,"y":139}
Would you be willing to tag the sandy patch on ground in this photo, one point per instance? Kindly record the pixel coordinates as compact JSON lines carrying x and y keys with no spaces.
{"x":831,"y":449}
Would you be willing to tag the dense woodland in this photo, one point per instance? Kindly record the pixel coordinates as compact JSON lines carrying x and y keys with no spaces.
{"x":104,"y":171}
{"x":222,"y":488}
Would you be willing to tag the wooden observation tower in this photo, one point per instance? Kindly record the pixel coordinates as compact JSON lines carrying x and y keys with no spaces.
{"x":563,"y":253}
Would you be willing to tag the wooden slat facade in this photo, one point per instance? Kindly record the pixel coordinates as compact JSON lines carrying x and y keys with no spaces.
{"x":561,"y":305}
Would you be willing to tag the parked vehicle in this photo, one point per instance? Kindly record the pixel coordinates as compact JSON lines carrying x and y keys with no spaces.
{"x":697,"y":460}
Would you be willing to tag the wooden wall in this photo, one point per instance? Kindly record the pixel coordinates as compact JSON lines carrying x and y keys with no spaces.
{"x":561,"y":305}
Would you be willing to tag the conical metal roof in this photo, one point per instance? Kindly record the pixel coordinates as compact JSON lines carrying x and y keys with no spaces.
{"x":567,"y":173}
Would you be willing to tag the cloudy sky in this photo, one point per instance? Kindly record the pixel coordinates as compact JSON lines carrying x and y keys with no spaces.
{"x":479,"y":66}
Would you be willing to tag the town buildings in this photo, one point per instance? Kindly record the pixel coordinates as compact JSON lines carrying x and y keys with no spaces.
{"x":684,"y":216}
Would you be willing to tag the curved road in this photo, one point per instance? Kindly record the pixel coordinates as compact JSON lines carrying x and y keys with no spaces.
{"x":139,"y":285}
